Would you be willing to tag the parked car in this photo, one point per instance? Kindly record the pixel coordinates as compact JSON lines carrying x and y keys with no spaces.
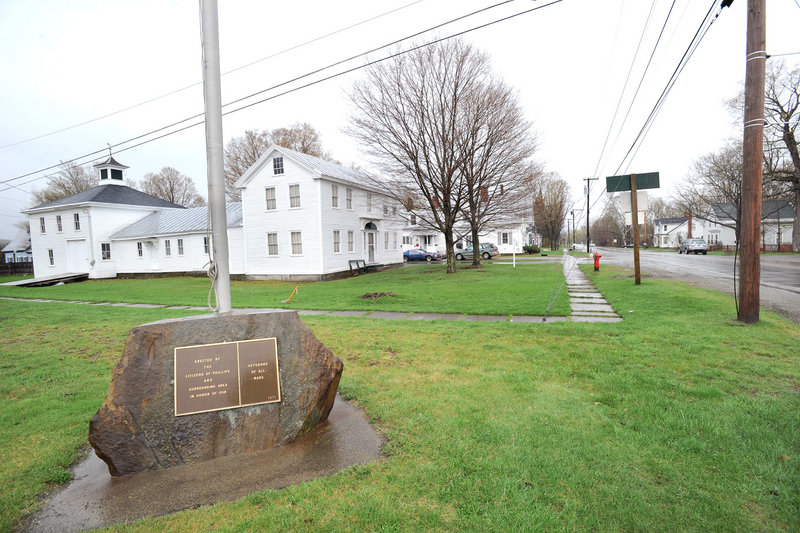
{"x":694,"y":245}
{"x":418,"y":254}
{"x":488,"y":250}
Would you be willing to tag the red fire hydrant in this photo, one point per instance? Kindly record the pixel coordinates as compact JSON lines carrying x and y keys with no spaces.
{"x":597,"y":262}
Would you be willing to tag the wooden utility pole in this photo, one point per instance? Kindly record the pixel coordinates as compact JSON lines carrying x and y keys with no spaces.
{"x":750,"y":260}
{"x":588,"y":198}
{"x":635,"y":224}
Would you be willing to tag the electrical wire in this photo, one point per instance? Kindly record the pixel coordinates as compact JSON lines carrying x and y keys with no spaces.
{"x":118,"y":146}
{"x":702,"y":31}
{"x":624,"y":86}
{"x":175,"y":91}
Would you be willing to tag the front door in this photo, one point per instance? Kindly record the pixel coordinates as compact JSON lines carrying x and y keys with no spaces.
{"x":371,"y":246}
{"x":78,"y":256}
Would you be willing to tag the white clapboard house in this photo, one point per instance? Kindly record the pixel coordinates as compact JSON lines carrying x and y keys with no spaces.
{"x":300,"y":218}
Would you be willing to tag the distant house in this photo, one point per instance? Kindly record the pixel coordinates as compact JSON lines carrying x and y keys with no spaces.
{"x":300,"y":218}
{"x":669,"y":232}
{"x":777,"y":220}
{"x":18,"y":250}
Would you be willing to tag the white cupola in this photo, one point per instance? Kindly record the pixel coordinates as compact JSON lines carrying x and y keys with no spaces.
{"x":111,"y":171}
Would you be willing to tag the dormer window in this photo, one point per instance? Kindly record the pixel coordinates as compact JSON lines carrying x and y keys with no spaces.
{"x":277,"y":165}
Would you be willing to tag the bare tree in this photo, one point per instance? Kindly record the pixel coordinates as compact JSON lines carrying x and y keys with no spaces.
{"x":172,"y":186}
{"x":242,"y":152}
{"x":782,"y":112}
{"x":550,"y":206}
{"x":716,"y":178}
{"x":781,"y":153}
{"x":497,"y":144}
{"x":410,"y":115}
{"x":70,"y":179}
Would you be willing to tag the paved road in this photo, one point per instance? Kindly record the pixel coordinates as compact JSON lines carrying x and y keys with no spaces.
{"x":780,"y":274}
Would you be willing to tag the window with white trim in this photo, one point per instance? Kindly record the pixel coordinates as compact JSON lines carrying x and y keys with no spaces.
{"x":334,"y":195}
{"x":269,"y":195}
{"x":297,"y":243}
{"x":407,"y":239}
{"x":413,"y":219}
{"x":76,"y":219}
{"x":385,"y":209}
{"x":139,"y":249}
{"x":369,"y":202}
{"x":277,"y":165}
{"x":180,"y":246}
{"x":58,"y":223}
{"x":272,"y":244}
{"x":349,"y":195}
{"x":294,"y":195}
{"x":350,"y":241}
{"x":385,"y":240}
{"x":105,"y":251}
{"x":167,"y":247}
{"x":51,"y":257}
{"x":205,"y":245}
{"x":42,"y":226}
{"x":504,"y":238}
{"x":336,"y":242}
{"x":394,"y":240}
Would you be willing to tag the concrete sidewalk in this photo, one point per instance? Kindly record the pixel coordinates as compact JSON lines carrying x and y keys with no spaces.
{"x":585,"y":302}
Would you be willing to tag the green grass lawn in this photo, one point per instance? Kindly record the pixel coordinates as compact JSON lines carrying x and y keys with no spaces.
{"x":490,"y":289}
{"x":678,"y":418}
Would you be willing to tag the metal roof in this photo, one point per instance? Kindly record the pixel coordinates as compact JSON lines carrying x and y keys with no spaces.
{"x":110,"y":162}
{"x":770,"y":210}
{"x":671,"y":220}
{"x":177,"y":221}
{"x":108,"y":194}
{"x":321,"y":167}
{"x":21,"y":242}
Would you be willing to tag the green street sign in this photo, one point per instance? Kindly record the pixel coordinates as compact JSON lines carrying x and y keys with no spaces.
{"x":648,"y":180}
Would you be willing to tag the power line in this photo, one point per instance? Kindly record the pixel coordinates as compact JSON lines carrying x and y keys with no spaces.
{"x":625,"y":86}
{"x":118,"y":146}
{"x":155,"y":98}
{"x":702,"y":31}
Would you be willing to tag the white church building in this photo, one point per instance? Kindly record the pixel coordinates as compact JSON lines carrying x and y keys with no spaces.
{"x":300,"y":217}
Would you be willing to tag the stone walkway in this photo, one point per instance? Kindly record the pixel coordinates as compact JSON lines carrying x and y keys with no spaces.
{"x":586,"y":305}
{"x":585,"y":302}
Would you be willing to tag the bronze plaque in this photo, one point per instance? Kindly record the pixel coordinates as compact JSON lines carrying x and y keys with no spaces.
{"x":211,"y":377}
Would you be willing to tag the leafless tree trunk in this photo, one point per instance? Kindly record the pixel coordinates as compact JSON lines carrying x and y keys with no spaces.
{"x":550,"y":206}
{"x":410,"y":111}
{"x":498,"y":144}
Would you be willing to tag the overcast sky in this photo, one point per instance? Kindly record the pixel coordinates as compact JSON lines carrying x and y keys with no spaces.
{"x":68,"y":63}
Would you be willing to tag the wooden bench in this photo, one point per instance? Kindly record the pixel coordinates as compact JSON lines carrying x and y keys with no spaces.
{"x":359,"y":265}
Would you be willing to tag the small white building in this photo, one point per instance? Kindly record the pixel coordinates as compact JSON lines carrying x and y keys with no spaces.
{"x":72,"y":235}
